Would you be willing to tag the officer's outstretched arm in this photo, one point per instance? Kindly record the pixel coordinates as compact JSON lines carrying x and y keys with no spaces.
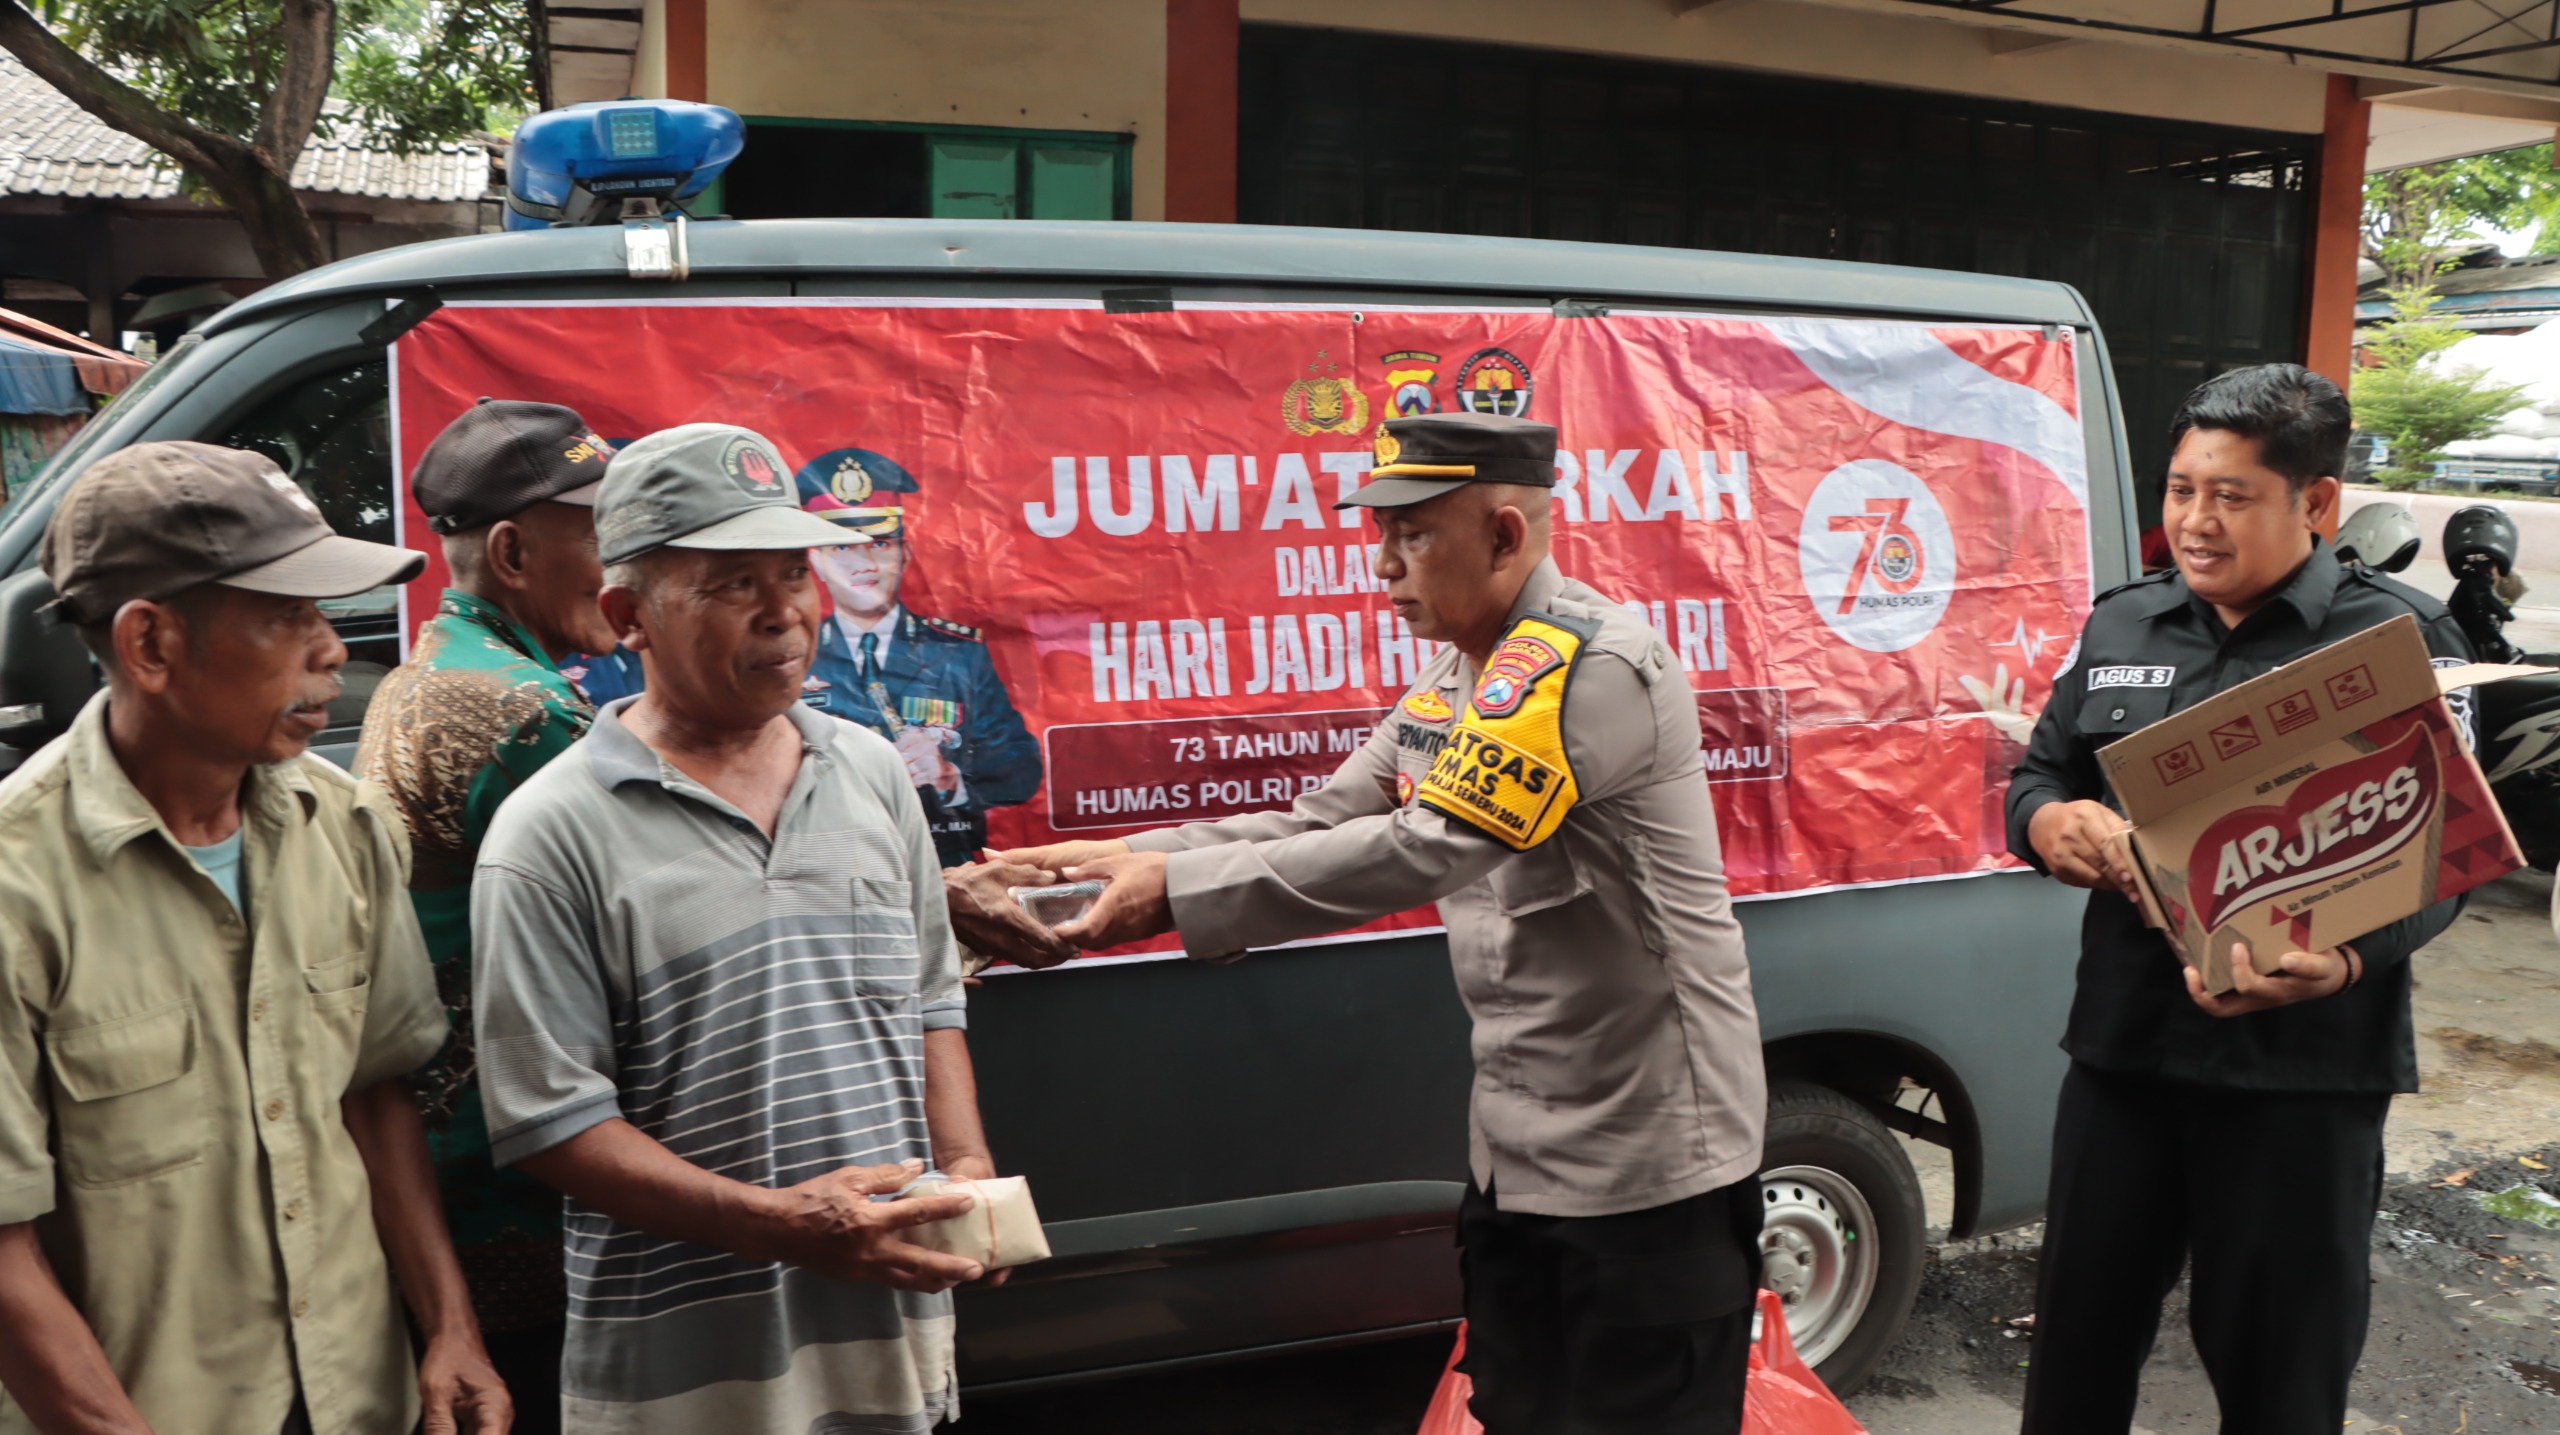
{"x":1502,"y":785}
{"x":1235,"y":895}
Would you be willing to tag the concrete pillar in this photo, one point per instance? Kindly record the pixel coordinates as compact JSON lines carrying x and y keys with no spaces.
{"x":1200,"y":110}
{"x":2337,"y":230}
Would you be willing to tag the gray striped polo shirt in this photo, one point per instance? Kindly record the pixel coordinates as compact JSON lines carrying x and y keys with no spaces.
{"x":759,"y":1007}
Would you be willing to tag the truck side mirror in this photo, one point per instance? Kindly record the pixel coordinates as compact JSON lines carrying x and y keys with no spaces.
{"x":45,"y":674}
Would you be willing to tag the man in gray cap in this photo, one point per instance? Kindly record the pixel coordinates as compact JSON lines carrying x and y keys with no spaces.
{"x":510,"y":488}
{"x":718,"y":1000}
{"x":1540,"y":781}
{"x":210,"y":980}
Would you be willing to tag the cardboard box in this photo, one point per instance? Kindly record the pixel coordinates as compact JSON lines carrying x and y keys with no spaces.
{"x":2311,"y":805}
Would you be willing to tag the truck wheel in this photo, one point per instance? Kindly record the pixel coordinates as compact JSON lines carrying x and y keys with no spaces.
{"x":1842,"y":1236}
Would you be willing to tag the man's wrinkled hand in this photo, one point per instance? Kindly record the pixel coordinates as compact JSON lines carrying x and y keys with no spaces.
{"x":1059,"y":856}
{"x":1133,"y":904}
{"x":831,"y":1225}
{"x":988,"y":921}
{"x":2298,"y":977}
{"x":459,"y":1390}
{"x":2071,"y":837}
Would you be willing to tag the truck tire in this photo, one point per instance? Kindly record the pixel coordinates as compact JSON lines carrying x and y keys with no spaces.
{"x":1843,"y":1238}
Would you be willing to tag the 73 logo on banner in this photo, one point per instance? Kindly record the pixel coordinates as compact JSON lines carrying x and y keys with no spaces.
{"x":1878,"y":557}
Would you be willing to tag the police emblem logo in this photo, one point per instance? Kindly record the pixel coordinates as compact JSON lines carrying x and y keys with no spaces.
{"x":1388,"y":447}
{"x":1495,"y":381}
{"x":1512,"y":671}
{"x":1898,"y":561}
{"x":850,"y":483}
{"x":1324,"y":402}
{"x":1409,"y":376}
{"x":1427,"y":706}
{"x":1404,"y":788}
{"x":751,"y":466}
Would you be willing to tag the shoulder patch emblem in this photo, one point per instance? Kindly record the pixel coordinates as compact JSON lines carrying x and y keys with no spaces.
{"x":1504,"y":770}
{"x":1514,"y":668}
{"x":1426,"y":705}
{"x":1404,"y":788}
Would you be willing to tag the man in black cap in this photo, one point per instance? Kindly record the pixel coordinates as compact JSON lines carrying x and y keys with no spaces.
{"x":926,"y":684}
{"x":210,"y":983}
{"x":510,"y":487}
{"x":1540,"y":781}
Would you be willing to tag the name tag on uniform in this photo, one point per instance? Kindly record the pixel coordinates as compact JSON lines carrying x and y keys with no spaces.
{"x":2130,"y":677}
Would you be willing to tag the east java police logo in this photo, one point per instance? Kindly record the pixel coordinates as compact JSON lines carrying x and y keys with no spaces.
{"x":1495,"y":381}
{"x":1514,"y":668}
{"x":1409,"y":376}
{"x":850,"y":483}
{"x":751,"y":466}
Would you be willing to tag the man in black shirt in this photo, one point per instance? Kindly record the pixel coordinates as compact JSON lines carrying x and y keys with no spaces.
{"x":2243,"y":1130}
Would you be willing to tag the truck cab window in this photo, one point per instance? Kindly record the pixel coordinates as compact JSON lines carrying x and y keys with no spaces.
{"x":332,"y":434}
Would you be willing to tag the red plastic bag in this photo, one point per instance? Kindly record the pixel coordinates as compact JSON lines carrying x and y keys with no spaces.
{"x":1784,"y":1396}
{"x":1448,"y":1413}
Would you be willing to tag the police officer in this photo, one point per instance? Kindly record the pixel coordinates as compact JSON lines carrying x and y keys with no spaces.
{"x":926,"y":684}
{"x":1540,"y":781}
{"x":2242,"y":1132}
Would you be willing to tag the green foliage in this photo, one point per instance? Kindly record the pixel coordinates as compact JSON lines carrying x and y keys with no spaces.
{"x":412,"y":73}
{"x":426,"y":71}
{"x":2414,"y":216}
{"x":2417,"y":406}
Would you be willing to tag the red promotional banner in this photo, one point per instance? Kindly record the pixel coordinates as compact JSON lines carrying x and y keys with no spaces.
{"x":1855,"y":537}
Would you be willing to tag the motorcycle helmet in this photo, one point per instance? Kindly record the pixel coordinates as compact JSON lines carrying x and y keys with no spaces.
{"x":2480,"y":536}
{"x":2381,"y":536}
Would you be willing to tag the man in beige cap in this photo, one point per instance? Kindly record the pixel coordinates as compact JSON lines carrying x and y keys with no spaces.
{"x":718,"y":1000}
{"x":209,"y":979}
{"x":1540,"y":780}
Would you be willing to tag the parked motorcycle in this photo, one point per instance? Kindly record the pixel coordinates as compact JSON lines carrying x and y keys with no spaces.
{"x":2519,"y":720}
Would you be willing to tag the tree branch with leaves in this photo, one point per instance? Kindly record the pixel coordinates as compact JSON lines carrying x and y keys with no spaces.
{"x":232,"y":91}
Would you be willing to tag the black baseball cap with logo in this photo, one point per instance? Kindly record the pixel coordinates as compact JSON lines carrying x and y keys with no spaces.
{"x":705,"y":486}
{"x":1427,"y":455}
{"x":503,"y":456}
{"x":156,"y":519}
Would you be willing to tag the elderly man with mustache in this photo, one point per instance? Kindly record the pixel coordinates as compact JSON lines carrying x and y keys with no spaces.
{"x":719,"y":1001}
{"x":210,"y":978}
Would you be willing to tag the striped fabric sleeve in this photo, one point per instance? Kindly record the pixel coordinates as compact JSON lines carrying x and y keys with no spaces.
{"x":544,"y":1021}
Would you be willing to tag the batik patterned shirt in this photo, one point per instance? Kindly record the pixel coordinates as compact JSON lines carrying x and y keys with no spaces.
{"x":450,"y":735}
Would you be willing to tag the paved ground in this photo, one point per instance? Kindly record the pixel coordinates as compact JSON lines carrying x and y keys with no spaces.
{"x":2466,"y":1333}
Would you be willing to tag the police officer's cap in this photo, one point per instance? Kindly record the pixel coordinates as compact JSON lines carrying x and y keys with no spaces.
{"x":1427,"y":455}
{"x":844,"y":486}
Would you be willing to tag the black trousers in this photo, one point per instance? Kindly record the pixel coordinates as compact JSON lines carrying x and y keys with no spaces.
{"x":529,"y":1362}
{"x":2271,"y":1194}
{"x":1635,"y":1324}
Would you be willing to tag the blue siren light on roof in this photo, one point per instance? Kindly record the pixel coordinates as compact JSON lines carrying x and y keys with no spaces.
{"x":577,"y":164}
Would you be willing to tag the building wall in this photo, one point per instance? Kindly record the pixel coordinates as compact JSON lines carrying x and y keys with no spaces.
{"x":1796,"y":38}
{"x":1100,"y":64}
{"x":1095,"y":65}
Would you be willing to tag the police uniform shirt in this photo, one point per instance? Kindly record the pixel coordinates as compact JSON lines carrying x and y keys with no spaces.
{"x":1616,"y":1045}
{"x":936,"y":674}
{"x":2153,"y":648}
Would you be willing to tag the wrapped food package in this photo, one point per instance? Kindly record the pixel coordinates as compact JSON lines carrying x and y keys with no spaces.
{"x":1000,"y":1232}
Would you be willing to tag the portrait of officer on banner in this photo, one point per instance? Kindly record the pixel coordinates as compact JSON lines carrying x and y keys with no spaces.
{"x":926,"y":684}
